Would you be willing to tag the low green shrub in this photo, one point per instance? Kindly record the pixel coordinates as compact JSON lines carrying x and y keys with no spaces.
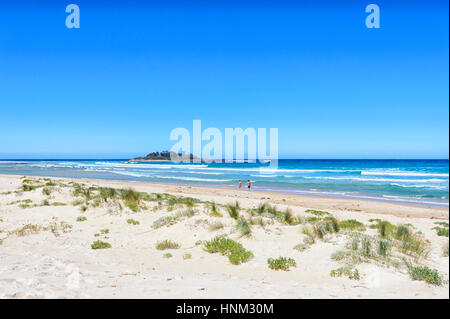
{"x":426,"y":274}
{"x":98,"y":244}
{"x":281,"y":263}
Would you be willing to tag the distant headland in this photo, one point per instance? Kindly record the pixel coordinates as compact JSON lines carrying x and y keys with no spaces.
{"x":165,"y":156}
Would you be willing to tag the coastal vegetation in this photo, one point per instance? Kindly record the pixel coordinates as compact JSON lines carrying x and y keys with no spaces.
{"x":398,"y":246}
{"x":281,"y":263}
{"x":235,"y":252}
{"x":167,"y":244}
{"x":98,"y":244}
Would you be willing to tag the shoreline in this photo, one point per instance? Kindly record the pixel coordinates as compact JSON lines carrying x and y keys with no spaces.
{"x":312,"y":202}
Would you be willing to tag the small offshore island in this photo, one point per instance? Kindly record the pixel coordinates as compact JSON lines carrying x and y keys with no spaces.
{"x":164,"y":156}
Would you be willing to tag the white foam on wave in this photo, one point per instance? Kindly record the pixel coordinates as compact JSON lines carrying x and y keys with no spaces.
{"x":419,"y":186}
{"x":193,"y":179}
{"x":432,"y":180}
{"x":403,"y":173}
{"x":265,"y":176}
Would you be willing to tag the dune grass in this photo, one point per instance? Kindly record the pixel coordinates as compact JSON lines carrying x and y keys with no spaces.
{"x":346,"y":271}
{"x":173,"y":219}
{"x":167,"y":244}
{"x":216,"y":226}
{"x":132,"y":221}
{"x":352,"y":224}
{"x":243,"y":228}
{"x":233,"y":210}
{"x":317,"y":212}
{"x":214,"y":210}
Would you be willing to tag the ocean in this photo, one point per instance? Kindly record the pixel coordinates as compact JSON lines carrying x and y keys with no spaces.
{"x":421,"y":182}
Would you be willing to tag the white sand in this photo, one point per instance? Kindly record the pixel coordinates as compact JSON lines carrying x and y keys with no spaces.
{"x":44,"y":266}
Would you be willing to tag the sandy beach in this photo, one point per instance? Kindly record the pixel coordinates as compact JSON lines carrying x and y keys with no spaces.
{"x":47,"y":227}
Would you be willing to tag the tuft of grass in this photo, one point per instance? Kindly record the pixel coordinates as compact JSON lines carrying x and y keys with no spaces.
{"x":187,"y":256}
{"x":77,"y":202}
{"x":28,"y":188}
{"x":301,"y":247}
{"x":59,"y":204}
{"x":104,"y":231}
{"x":287,"y":217}
{"x":352,"y":224}
{"x":171,"y":220}
{"x":216,"y":226}
{"x":366,"y":246}
{"x":403,"y":232}
{"x":167,"y":255}
{"x":257,"y":221}
{"x":306,"y":230}
{"x":130,"y":196}
{"x":316,"y":212}
{"x":415,"y":245}
{"x":332,"y":224}
{"x":345,"y":271}
{"x":167,"y":244}
{"x":133,"y":207}
{"x":426,"y":274}
{"x":98,"y":244}
{"x":319,"y":231}
{"x":214,"y":210}
{"x":281,"y":263}
{"x":243,"y":227}
{"x":46,"y":191}
{"x":81,"y":218}
{"x":50,"y":184}
{"x":236,"y":253}
{"x":233,"y":210}
{"x":106,"y":193}
{"x":261,"y":208}
{"x":383,"y":247}
{"x":132,"y":221}
{"x":27,"y":230}
{"x":386,"y":229}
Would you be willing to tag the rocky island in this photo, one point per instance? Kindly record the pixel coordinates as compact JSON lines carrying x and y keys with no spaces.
{"x":165,"y":156}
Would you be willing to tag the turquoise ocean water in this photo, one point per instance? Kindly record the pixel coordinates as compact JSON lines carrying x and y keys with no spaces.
{"x":423,"y":182}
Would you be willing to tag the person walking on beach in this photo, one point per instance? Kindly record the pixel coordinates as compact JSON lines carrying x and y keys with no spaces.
{"x":249,"y":184}
{"x":239,"y":185}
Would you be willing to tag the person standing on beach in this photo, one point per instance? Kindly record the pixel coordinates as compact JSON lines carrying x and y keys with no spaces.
{"x":239,"y":185}
{"x":249,"y":184}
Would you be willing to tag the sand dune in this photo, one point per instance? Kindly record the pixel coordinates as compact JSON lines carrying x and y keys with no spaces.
{"x":52,"y":256}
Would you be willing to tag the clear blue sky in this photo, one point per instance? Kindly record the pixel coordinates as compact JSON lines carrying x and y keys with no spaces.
{"x":117,"y":86}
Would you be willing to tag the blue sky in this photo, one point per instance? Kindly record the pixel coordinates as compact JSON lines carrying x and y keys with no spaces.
{"x":117,"y":86}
